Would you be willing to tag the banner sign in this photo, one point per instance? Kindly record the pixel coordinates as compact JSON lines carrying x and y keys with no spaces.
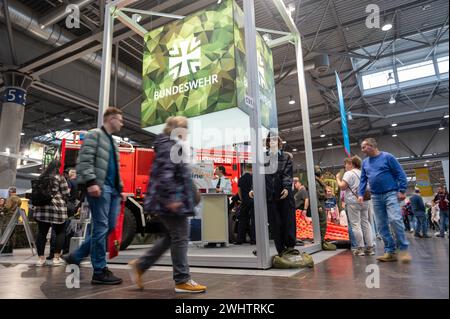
{"x":15,"y":95}
{"x":423,"y":181}
{"x":343,"y":116}
{"x":202,"y":174}
{"x":196,"y":66}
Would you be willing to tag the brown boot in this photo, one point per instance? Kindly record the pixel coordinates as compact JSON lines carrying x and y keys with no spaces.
{"x":387,"y":257}
{"x":404,"y":257}
{"x":136,"y":274}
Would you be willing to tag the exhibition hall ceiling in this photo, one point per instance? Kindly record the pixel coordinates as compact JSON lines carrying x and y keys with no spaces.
{"x":337,"y":28}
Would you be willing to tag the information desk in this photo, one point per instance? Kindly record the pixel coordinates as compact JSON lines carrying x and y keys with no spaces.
{"x":215,"y":219}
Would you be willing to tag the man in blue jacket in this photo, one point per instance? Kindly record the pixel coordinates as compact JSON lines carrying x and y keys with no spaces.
{"x":418,"y":208}
{"x":387,"y":186}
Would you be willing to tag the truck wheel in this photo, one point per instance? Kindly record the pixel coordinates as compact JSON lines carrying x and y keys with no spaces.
{"x":129,"y":229}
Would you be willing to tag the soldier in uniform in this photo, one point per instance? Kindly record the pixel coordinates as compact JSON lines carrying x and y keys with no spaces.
{"x":321,"y":197}
{"x":12,"y":203}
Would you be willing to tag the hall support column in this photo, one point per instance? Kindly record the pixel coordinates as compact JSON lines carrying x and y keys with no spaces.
{"x":11,"y":121}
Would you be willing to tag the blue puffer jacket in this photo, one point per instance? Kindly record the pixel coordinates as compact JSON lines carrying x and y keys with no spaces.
{"x":169,"y":181}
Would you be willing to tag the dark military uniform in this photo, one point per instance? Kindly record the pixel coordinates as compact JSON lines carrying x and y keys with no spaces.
{"x":12,"y":203}
{"x":281,"y":212}
{"x":321,"y":197}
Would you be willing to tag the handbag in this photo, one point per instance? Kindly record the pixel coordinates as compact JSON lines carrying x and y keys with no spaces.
{"x":367,"y":196}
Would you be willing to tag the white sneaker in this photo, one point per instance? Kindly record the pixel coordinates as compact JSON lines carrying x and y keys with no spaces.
{"x":40,"y":263}
{"x":58,"y":262}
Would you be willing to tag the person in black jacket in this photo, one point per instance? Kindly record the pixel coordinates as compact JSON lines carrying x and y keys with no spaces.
{"x":279,"y":195}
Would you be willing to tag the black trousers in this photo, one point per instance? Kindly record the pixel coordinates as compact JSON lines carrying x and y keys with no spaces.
{"x":42,"y":237}
{"x":246,"y":222}
{"x":66,"y":241}
{"x":281,"y":216}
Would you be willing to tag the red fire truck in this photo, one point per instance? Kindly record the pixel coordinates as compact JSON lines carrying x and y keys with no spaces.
{"x":135,"y":165}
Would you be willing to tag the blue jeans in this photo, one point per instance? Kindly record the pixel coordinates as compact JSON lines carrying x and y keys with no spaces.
{"x":443,"y":220}
{"x":387,"y":212}
{"x":104,"y":212}
{"x":421,"y":225}
{"x":412,"y":222}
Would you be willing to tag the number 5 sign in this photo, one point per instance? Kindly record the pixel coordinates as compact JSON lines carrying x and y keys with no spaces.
{"x":15,"y":95}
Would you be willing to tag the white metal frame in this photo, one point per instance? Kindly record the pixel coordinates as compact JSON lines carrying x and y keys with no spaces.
{"x":117,"y":9}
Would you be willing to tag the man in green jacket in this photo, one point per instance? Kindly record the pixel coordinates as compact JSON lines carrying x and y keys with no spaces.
{"x":98,"y":169}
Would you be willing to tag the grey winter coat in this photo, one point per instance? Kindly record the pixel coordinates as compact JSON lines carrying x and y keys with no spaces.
{"x":169,"y":182}
{"x":93,"y":159}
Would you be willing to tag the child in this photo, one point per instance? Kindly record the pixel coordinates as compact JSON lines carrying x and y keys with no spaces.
{"x":331,"y":206}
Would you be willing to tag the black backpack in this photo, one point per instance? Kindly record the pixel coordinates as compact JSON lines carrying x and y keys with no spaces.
{"x":42,"y":191}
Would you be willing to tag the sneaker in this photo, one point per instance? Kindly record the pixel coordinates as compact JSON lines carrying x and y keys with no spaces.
{"x":370,"y":251}
{"x":41,"y":263}
{"x":106,"y":277}
{"x":58,"y":262}
{"x":360,"y":252}
{"x":404,"y":257}
{"x":190,"y":287}
{"x":387,"y":257}
{"x":70,"y":260}
{"x":441,"y":236}
{"x":418,"y":235}
{"x":136,"y":274}
{"x":426,"y":236}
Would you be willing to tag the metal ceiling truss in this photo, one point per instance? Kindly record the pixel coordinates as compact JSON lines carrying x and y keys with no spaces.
{"x":117,"y":9}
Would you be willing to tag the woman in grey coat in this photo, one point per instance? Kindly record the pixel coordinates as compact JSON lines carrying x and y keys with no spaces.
{"x":170,"y":195}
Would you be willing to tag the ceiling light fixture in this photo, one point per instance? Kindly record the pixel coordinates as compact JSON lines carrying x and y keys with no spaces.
{"x":291,"y":100}
{"x":22,"y":134}
{"x":394,"y":135}
{"x":322,"y":134}
{"x":441,"y":128}
{"x":387,"y":23}
{"x":446,"y":116}
{"x":330,"y":143}
{"x":67,"y":120}
{"x":392,"y":99}
{"x":136,"y":17}
{"x":267,"y":37}
{"x":390,"y":79}
{"x":291,"y":7}
{"x":394,"y":124}
{"x":294,"y":150}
